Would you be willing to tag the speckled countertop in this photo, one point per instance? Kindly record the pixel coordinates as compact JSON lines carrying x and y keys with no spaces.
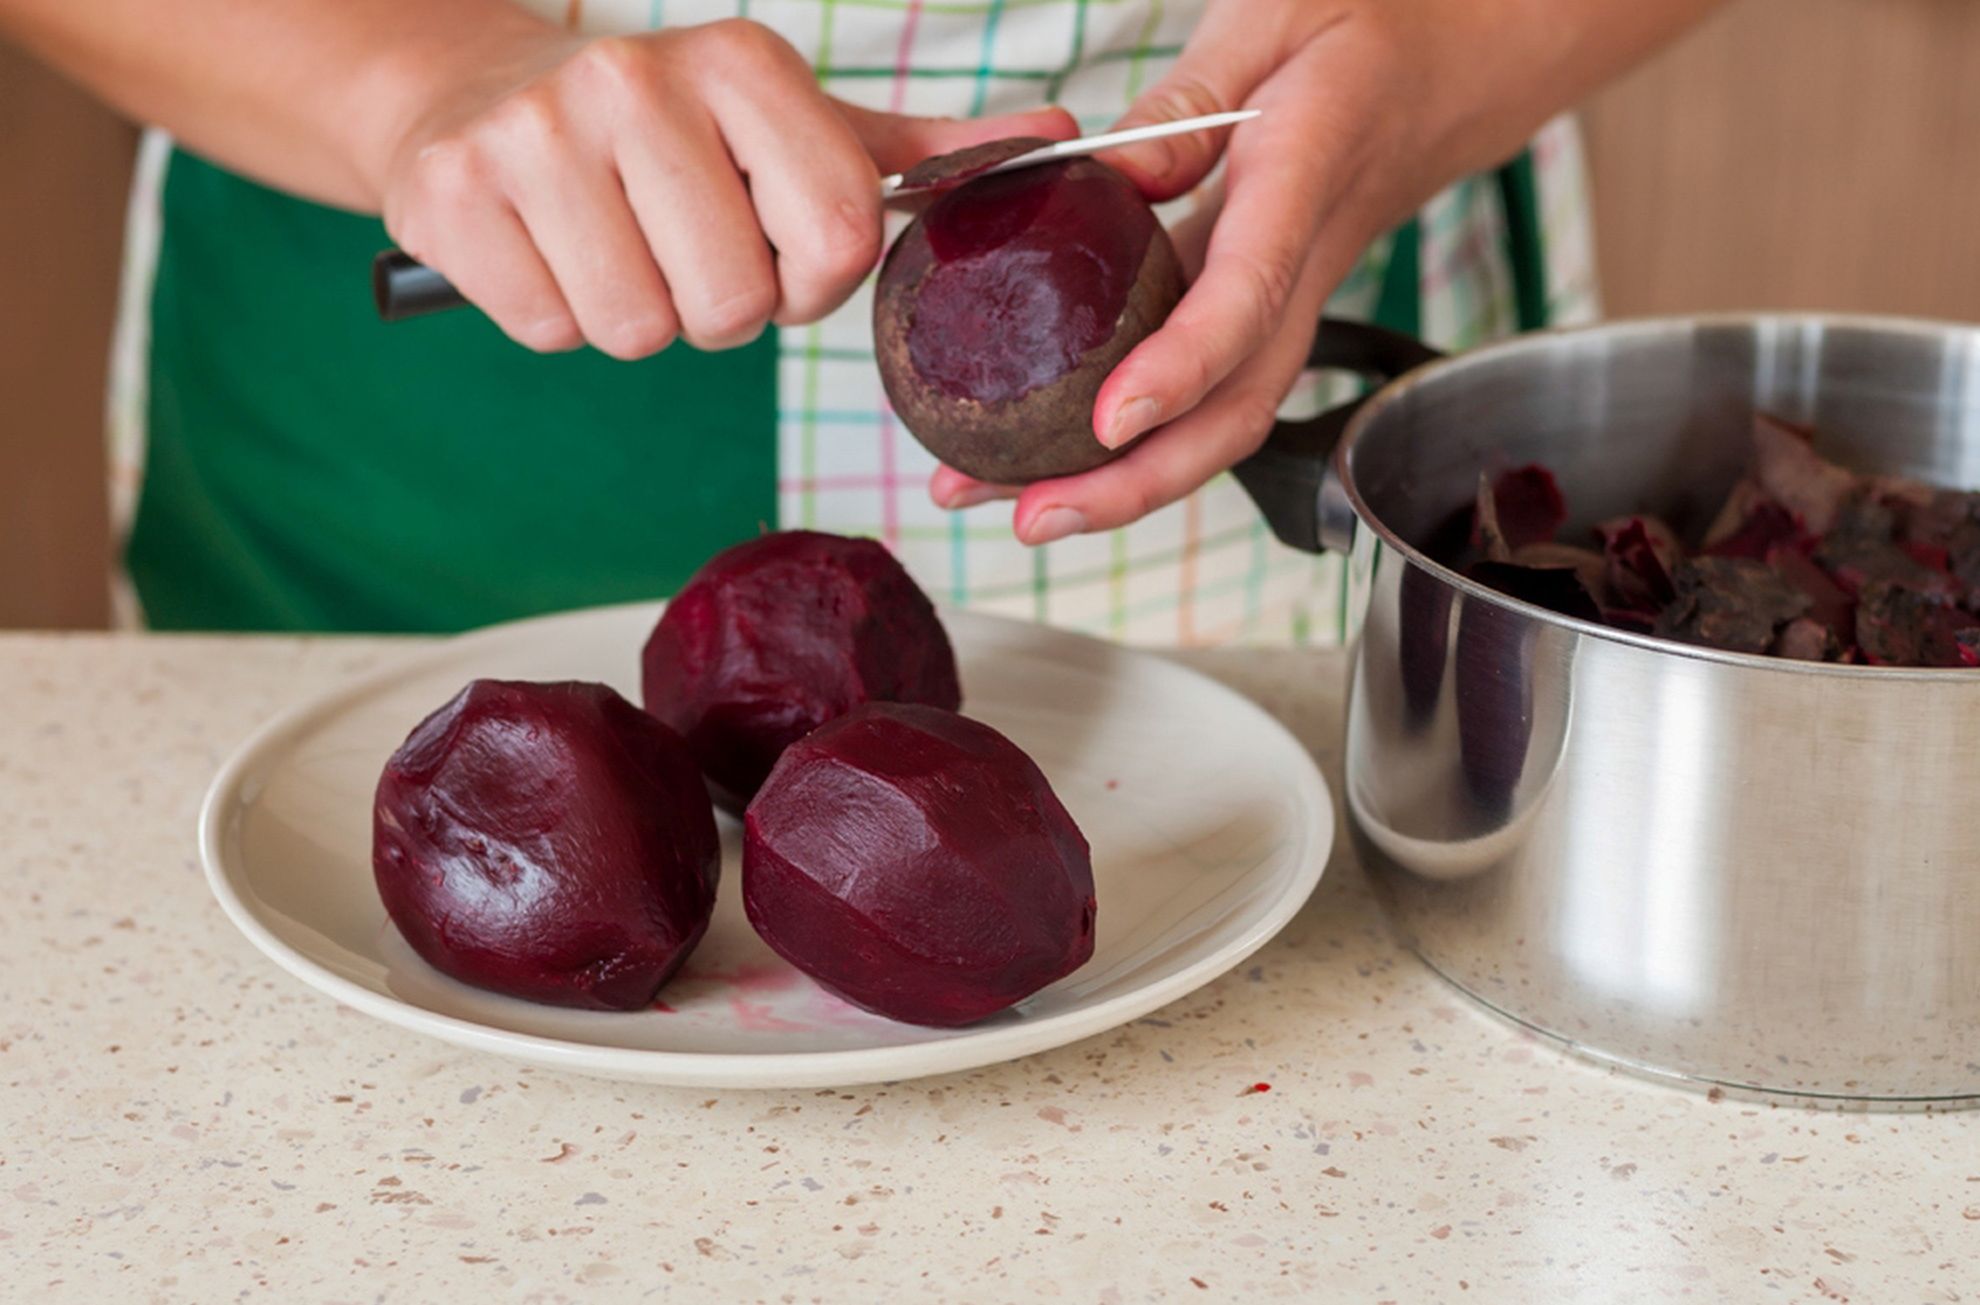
{"x":179,"y":1120}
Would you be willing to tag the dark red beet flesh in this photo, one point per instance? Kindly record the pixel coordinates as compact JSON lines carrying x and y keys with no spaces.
{"x":918,"y":864}
{"x":1032,"y":271}
{"x":548,"y":841}
{"x":775,"y":637}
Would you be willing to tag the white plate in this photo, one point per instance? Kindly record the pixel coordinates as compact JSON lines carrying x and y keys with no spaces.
{"x":1209,"y":823}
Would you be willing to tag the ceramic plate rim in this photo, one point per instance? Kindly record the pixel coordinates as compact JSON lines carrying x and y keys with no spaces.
{"x":229,"y":793}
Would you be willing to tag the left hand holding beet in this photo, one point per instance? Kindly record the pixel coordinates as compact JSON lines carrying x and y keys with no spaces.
{"x":1370,"y":107}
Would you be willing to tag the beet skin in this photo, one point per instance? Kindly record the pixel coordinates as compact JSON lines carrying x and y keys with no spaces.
{"x":918,"y":864}
{"x":772,"y":638}
{"x":548,"y":841}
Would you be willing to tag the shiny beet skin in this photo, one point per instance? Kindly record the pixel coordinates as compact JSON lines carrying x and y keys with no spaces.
{"x":918,"y":864}
{"x":775,"y":637}
{"x":547,"y":841}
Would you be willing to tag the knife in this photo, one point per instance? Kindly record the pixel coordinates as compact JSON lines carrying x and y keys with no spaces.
{"x":403,"y":287}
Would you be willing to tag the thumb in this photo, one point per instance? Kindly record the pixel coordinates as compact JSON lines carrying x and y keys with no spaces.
{"x":897,"y":141}
{"x":1219,"y":69}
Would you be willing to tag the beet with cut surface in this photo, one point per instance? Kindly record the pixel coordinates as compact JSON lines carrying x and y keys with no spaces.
{"x":774,"y":637}
{"x":548,"y":841}
{"x":918,"y":864}
{"x":1001,"y":310}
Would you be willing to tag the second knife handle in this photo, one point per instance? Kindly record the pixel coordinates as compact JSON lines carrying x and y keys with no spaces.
{"x":404,"y":287}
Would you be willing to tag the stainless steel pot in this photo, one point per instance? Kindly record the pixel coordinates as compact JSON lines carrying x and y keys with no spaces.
{"x":1719,"y":868}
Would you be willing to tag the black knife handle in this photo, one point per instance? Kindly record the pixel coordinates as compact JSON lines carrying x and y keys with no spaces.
{"x":404,"y":287}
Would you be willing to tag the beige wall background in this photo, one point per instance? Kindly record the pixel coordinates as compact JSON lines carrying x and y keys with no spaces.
{"x":1791,"y":153}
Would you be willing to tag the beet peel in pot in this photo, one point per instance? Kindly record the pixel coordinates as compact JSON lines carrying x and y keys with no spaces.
{"x":548,"y":841}
{"x":772,"y":638}
{"x":918,"y":864}
{"x":1805,"y":560}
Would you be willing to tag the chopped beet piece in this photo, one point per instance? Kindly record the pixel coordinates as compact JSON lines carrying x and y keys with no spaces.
{"x":1807,"y":640}
{"x":1947,"y":520}
{"x":1829,"y":604}
{"x":1794,"y":475}
{"x":1739,"y":505}
{"x":1531,"y":509}
{"x":1732,"y":603}
{"x":1639,"y":554}
{"x":1768,"y":526}
{"x":1558,"y":589}
{"x":1898,"y":626}
{"x":1805,"y":560}
{"x":1936,"y":557}
{"x":1862,"y":548}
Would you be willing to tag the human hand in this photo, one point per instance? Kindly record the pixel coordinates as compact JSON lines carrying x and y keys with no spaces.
{"x":691,"y":182}
{"x":1370,"y":106}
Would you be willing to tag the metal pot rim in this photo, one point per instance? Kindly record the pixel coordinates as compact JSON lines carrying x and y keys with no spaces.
{"x":1623,"y":328}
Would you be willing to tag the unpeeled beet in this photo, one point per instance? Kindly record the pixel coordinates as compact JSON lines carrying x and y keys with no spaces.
{"x":918,"y":864}
{"x":548,"y":841}
{"x":775,"y":637}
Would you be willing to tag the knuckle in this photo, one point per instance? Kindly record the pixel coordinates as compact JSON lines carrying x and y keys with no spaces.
{"x":734,"y":319}
{"x":449,"y":168}
{"x":636,"y":337}
{"x":738,"y":42}
{"x":619,"y":66}
{"x":1185,"y":96}
{"x":843,"y":249}
{"x":532,"y":118}
{"x":553,"y":333}
{"x":1253,"y":415}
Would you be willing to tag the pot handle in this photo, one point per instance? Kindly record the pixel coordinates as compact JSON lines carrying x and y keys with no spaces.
{"x":1291,"y":477}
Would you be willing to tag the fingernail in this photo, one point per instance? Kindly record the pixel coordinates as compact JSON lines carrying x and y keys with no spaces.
{"x":1130,"y":420}
{"x":1054,"y":524}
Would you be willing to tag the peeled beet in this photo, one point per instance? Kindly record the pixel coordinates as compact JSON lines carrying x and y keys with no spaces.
{"x":548,"y":841}
{"x":918,"y":864}
{"x":773,"y":638}
{"x":1002,"y":308}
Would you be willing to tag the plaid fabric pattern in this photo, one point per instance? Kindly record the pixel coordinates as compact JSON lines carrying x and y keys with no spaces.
{"x":1203,"y":571}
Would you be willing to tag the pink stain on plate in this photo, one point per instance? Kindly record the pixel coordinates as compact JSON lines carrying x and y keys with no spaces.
{"x":758,"y":1017}
{"x":744,"y":978}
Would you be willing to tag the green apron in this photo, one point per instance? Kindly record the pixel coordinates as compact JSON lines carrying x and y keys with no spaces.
{"x":310,"y":468}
